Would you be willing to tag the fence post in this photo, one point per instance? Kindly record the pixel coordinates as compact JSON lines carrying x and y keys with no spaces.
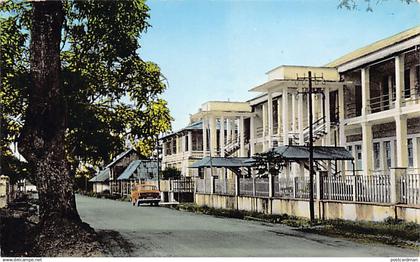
{"x":354,"y":182}
{"x":237,"y":181}
{"x":318,"y":177}
{"x":254,"y":189}
{"x":212,"y":185}
{"x":270,"y":185}
{"x":395,"y":181}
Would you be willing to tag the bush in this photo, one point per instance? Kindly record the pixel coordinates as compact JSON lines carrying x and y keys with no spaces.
{"x":171,"y":172}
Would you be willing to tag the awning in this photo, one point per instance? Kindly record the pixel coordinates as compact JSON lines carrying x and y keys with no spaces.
{"x":298,"y":153}
{"x":229,"y":162}
{"x":102,"y":176}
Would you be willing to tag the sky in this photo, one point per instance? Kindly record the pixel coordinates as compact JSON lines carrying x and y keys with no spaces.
{"x":218,"y":50}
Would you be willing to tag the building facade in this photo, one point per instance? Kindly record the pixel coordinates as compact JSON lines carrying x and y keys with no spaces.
{"x":367,"y":101}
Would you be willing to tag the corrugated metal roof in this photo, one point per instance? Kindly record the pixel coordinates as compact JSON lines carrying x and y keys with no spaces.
{"x":320,"y":153}
{"x":146,"y":169}
{"x":381,"y":44}
{"x":115,"y":160}
{"x":102,"y":176}
{"x":222,"y":162}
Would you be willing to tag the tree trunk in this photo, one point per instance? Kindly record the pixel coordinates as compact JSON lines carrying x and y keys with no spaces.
{"x":42,"y":139}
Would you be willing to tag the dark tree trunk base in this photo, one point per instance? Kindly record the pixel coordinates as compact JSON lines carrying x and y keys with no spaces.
{"x":66,"y":238}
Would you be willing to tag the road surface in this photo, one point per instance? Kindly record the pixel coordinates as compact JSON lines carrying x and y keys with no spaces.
{"x":158,"y":231}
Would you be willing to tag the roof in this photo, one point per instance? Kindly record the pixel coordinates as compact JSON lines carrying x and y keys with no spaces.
{"x":320,"y":153}
{"x":193,"y":126}
{"x":146,"y":169}
{"x":381,"y":44}
{"x":119,"y":157}
{"x":102,"y":176}
{"x":222,"y":162}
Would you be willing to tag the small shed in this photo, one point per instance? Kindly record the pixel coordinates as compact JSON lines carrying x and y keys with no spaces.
{"x":144,"y":170}
{"x":101,"y":181}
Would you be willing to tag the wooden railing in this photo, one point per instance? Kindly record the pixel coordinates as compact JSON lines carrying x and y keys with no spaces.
{"x":410,"y":189}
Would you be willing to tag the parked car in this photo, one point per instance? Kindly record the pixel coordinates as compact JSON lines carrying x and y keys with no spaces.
{"x":145,"y":193}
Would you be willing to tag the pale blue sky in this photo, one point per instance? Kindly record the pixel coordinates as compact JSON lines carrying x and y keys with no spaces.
{"x":218,"y":50}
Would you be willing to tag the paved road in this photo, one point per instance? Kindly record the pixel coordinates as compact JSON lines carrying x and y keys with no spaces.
{"x":159,"y":231}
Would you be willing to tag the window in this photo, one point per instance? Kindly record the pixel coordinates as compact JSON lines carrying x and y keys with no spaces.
{"x":359,"y":163}
{"x":349,"y":164}
{"x":387,"y":145}
{"x":410,"y":152}
{"x":407,"y":88}
{"x":376,"y":155}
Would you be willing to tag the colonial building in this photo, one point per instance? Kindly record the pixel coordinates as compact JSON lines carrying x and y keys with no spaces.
{"x":367,"y":101}
{"x":217,"y":129}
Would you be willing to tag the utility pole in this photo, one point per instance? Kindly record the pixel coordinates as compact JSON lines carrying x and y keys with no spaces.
{"x":311,"y":153}
{"x":157,"y":159}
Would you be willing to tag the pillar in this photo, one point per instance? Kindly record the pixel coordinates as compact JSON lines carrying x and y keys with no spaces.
{"x":300,"y":117}
{"x":395,"y":181}
{"x":229,"y":131}
{"x":341,"y":115}
{"x":279,"y":116}
{"x":213,"y":136}
{"x":365,"y":91}
{"x":390,"y":91}
{"x":413,"y":92}
{"x":367,"y":148}
{"x":204,"y":137}
{"x":264,"y":122}
{"x":222,"y":136}
{"x":399,"y":79}
{"x":285,"y":113}
{"x":294,"y":124}
{"x":190,"y":145}
{"x":270,"y":119}
{"x":416,"y":152}
{"x":401,"y":144}
{"x":327,"y":138}
{"x":252,"y":135}
{"x":242,"y":137}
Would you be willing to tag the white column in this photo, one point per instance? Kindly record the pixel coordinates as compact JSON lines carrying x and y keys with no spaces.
{"x":294,"y":124}
{"x":401,"y":144}
{"x":382,"y":160}
{"x":242,"y":137}
{"x":252,"y":134}
{"x":229,"y":131}
{"x":222,"y":136}
{"x":285,"y":102}
{"x":270,"y":119}
{"x":300,"y":117}
{"x":213,"y":136}
{"x":365,"y":91}
{"x":190,"y":145}
{"x":367,"y":148}
{"x":327,"y":139}
{"x":413,"y":82}
{"x":390,"y":90}
{"x":264,"y":122}
{"x":341,"y":115}
{"x":279,"y":116}
{"x":399,"y":79}
{"x":204,"y":137}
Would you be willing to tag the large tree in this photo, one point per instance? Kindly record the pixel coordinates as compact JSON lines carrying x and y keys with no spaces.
{"x":77,"y":92}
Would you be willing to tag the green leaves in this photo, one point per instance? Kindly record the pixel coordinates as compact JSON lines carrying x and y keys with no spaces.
{"x":112,"y":95}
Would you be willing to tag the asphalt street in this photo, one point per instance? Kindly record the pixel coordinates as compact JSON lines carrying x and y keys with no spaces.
{"x":158,"y":231}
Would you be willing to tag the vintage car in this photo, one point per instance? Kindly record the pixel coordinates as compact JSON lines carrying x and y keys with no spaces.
{"x":145,"y":193}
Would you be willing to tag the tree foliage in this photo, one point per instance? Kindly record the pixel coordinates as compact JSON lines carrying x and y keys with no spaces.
{"x":112,"y":95}
{"x":269,"y":162}
{"x":354,"y":4}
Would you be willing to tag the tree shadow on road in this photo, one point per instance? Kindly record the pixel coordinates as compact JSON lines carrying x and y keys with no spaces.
{"x":114,"y":244}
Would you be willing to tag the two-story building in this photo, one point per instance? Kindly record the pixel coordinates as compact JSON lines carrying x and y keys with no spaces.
{"x":367,"y":101}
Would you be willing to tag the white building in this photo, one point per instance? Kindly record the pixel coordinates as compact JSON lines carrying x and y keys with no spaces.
{"x":367,"y":101}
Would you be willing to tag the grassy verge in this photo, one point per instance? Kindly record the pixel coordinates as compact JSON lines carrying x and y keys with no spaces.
{"x":391,"y":231}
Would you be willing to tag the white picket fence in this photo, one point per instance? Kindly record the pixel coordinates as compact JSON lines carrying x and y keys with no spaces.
{"x":375,"y":188}
{"x":338,"y":187}
{"x":246,"y":187}
{"x":410,"y":189}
